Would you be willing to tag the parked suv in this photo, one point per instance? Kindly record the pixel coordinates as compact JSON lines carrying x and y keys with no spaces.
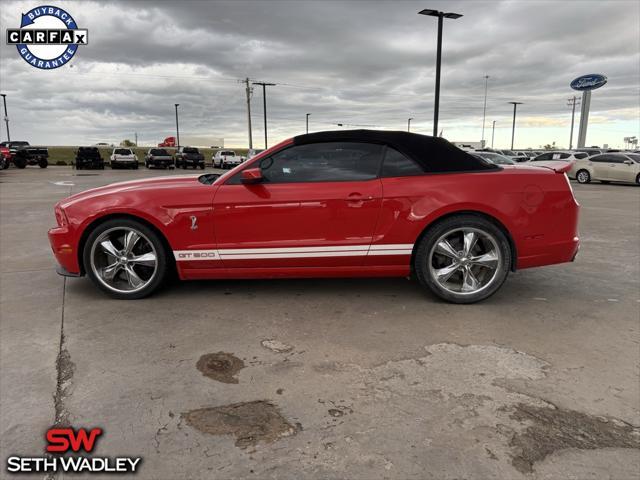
{"x":189,"y":157}
{"x":89,"y":157}
{"x":158,"y":157}
{"x":226,"y":159}
{"x":123,"y":157}
{"x":608,"y":167}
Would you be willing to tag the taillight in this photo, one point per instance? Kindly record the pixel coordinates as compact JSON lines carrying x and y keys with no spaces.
{"x":61,"y":217}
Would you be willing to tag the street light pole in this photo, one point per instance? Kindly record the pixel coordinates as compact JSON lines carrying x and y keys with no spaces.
{"x":572,"y":102}
{"x":493,"y":131}
{"x":264,"y":106}
{"x":6,"y":115}
{"x":409,"y":124}
{"x":484,"y":109}
{"x":441,"y":16}
{"x":513,"y":128}
{"x":177,"y":128}
{"x":308,"y":122}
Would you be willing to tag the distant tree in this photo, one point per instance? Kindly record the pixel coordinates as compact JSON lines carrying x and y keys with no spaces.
{"x":550,"y":147}
{"x":127,"y":143}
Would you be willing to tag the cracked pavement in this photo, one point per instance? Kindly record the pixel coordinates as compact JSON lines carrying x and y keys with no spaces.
{"x":376,"y":378}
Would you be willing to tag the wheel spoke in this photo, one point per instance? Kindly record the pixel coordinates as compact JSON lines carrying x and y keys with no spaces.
{"x":470,"y":239}
{"x":132,"y":277}
{"x":445,"y":248}
{"x":469,"y":281}
{"x":109,"y":272}
{"x":488,"y":260}
{"x":130,"y":240}
{"x":110,"y":248}
{"x":148,"y":259}
{"x":443,"y":274}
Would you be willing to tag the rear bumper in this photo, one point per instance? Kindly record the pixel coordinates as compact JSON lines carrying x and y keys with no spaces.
{"x":64,"y":249}
{"x":560,"y":252}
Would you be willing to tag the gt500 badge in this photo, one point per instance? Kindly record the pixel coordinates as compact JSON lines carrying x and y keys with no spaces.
{"x":48,"y":37}
{"x":195,"y":255}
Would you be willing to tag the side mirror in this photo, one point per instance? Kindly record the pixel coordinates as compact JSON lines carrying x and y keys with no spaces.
{"x":629,"y":162}
{"x":251,"y":175}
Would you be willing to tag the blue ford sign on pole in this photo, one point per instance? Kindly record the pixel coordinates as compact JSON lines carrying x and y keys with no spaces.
{"x":585,"y":84}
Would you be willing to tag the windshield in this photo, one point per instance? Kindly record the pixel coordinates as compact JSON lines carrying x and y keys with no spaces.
{"x":190,"y":150}
{"x":508,"y":152}
{"x":19,"y":144}
{"x":159,"y":152}
{"x":496,"y":158}
{"x":122,"y":151}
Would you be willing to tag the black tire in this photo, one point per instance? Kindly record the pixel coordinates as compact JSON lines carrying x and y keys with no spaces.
{"x":163,"y":265}
{"x":583,"y":176}
{"x":43,"y":163}
{"x":202,"y":166}
{"x":20,"y":162}
{"x":423,"y":257}
{"x":637,"y":178}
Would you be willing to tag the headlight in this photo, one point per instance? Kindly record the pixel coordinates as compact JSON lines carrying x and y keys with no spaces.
{"x":61,"y":217}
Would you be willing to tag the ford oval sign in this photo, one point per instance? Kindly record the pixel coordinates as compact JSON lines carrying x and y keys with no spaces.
{"x":589,"y":82}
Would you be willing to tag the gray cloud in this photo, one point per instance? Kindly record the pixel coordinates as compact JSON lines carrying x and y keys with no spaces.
{"x":351,"y":62}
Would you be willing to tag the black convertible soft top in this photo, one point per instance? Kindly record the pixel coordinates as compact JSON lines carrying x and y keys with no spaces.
{"x":435,"y":154}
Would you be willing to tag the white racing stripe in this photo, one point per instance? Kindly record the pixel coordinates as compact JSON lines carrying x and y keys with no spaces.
{"x":293,"y":252}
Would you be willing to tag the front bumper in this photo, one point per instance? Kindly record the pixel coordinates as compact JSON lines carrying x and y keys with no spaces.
{"x":64,"y":249}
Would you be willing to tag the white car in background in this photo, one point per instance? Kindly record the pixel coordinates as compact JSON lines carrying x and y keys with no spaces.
{"x":608,"y":167}
{"x":123,"y":157}
{"x":226,"y":159}
{"x":562,"y":155}
{"x":252,"y":152}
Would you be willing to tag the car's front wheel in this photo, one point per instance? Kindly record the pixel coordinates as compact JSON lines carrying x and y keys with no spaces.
{"x":463,"y":259}
{"x":125,"y":258}
{"x":583,"y":176}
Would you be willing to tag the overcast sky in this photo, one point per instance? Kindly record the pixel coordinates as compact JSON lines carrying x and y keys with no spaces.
{"x":369,"y":63}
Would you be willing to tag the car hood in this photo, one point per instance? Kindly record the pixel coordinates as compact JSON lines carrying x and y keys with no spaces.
{"x":150,"y":184}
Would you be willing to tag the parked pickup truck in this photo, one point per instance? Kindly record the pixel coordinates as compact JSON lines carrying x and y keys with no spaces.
{"x":22,"y":154}
{"x":189,"y":157}
{"x":124,"y":157}
{"x":158,"y":157}
{"x":89,"y":157}
{"x":226,"y":159}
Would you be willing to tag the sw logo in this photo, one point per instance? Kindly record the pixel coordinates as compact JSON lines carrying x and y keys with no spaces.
{"x":62,"y":439}
{"x":67,"y":440}
{"x":48,"y":37}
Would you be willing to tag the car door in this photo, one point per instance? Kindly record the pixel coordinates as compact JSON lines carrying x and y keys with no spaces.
{"x":600,"y":167}
{"x":623,"y":172}
{"x":317,"y":206}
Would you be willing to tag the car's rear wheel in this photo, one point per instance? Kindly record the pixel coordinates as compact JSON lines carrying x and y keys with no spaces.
{"x":43,"y":163}
{"x":125,"y":258}
{"x":463,"y":259}
{"x":583,"y":176}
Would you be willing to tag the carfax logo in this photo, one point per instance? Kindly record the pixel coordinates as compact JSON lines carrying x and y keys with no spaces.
{"x":48,"y":37}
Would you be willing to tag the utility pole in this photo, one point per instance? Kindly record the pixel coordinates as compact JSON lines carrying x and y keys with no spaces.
{"x":409,"y":124}
{"x":484,"y":109}
{"x":264,"y":106}
{"x":136,"y":135}
{"x":513,"y":128}
{"x":248,"y":92}
{"x":572,"y":103}
{"x":177,"y":127}
{"x":493,"y":131}
{"x":308,"y":122}
{"x":6,"y":115}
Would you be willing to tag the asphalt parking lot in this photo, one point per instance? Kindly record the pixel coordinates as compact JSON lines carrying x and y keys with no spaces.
{"x":327,"y":378}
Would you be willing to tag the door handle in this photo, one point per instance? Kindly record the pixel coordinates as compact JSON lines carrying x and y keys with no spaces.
{"x":357,"y":197}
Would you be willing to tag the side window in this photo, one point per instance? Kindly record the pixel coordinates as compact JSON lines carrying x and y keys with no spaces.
{"x":615,"y":159}
{"x":397,"y":165}
{"x":544,"y":156}
{"x":580,"y":156}
{"x":598,"y":158}
{"x":321,"y":162}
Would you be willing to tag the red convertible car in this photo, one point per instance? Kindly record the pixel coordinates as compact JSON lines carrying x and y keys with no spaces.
{"x":359,"y":203}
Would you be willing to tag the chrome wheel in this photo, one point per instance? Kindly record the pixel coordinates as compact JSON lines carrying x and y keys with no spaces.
{"x":583,"y":176}
{"x":465,"y":261}
{"x":123,"y":259}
